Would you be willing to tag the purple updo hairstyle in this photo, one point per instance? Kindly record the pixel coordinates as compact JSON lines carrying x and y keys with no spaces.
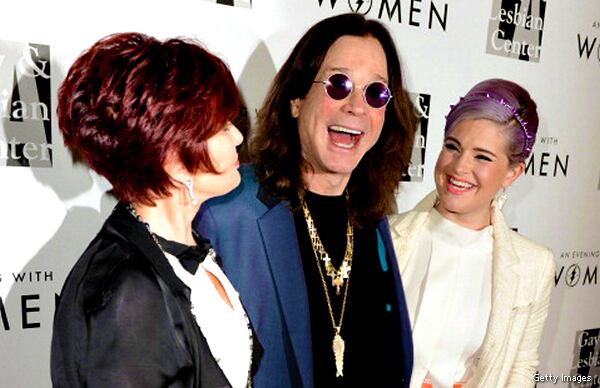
{"x":503,"y":102}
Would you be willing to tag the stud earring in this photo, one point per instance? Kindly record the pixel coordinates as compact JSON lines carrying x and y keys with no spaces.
{"x":189,"y":185}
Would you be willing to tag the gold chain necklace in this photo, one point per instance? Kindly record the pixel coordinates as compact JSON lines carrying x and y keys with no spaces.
{"x":338,"y":276}
{"x":343,"y":272}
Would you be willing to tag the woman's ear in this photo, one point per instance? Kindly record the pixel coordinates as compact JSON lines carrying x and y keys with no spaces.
{"x":513,"y":173}
{"x":181,"y":176}
{"x":175,"y":168}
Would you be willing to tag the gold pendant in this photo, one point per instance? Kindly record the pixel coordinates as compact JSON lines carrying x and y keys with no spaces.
{"x":337,"y":282}
{"x":338,"y":352}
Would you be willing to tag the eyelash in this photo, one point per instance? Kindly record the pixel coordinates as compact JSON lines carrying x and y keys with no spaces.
{"x":451,"y":146}
{"x":454,"y":147}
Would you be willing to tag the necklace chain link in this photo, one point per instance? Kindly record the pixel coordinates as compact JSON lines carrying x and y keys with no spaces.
{"x":134,"y":213}
{"x":338,"y":278}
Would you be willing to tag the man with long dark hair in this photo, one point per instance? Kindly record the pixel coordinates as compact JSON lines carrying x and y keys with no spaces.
{"x":304,"y":238}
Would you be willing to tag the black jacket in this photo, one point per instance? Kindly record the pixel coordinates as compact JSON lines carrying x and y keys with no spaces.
{"x":124,"y":318}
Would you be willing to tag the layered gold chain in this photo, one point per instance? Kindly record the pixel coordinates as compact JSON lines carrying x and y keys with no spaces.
{"x":338,"y":278}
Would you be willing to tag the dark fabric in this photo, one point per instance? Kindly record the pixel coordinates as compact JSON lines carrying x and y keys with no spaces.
{"x":124,"y":318}
{"x":368,"y":328}
{"x":190,"y":256}
{"x":261,"y":257}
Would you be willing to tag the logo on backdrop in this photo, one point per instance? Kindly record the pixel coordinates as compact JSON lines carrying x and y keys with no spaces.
{"x":416,"y":167}
{"x":432,"y":15}
{"x":25,"y":110}
{"x":27,"y":308}
{"x":547,"y":163}
{"x":588,"y":45}
{"x":233,"y":3}
{"x":515,"y":29}
{"x":362,"y":7}
{"x":586,"y":358}
{"x":579,"y":269}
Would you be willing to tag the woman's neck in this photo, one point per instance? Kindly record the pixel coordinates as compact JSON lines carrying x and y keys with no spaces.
{"x":170,"y":219}
{"x":472,"y":220}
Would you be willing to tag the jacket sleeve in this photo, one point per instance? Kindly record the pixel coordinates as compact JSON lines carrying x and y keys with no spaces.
{"x":131,"y":340}
{"x":527,"y":356}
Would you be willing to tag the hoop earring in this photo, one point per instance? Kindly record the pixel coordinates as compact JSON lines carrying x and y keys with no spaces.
{"x":189,"y":185}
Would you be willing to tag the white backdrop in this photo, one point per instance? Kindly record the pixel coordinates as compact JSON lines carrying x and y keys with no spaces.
{"x":51,"y":208}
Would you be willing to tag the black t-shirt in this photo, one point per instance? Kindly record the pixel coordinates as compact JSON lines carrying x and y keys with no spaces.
{"x":370,"y":329}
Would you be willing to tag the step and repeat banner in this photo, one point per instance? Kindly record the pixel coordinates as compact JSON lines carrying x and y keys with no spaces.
{"x":52,"y":206}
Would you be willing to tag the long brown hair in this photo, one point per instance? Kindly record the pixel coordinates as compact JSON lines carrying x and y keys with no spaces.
{"x":275,"y":148}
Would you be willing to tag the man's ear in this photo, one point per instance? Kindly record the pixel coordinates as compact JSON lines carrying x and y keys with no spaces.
{"x":295,"y":107}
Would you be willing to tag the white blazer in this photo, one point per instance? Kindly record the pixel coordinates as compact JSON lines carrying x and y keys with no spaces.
{"x":522,"y":280}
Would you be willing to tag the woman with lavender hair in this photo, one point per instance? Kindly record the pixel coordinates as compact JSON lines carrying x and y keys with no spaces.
{"x":477,"y":292}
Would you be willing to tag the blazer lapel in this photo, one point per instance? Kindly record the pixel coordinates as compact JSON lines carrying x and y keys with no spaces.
{"x":283,"y":254}
{"x":404,"y":326}
{"x":406,"y":228}
{"x":505,"y":283}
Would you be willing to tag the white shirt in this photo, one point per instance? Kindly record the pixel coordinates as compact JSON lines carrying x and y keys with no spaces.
{"x":448,"y":282}
{"x":226,"y":330}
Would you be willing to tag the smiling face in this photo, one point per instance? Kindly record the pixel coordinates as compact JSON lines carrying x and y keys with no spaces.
{"x":335,"y":134}
{"x":472,"y":166}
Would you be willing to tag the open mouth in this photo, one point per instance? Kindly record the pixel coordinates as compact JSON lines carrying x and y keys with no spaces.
{"x":344,"y":137}
{"x":459,"y":185}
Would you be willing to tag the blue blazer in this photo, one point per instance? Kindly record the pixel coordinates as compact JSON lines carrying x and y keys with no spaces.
{"x":255,"y":235}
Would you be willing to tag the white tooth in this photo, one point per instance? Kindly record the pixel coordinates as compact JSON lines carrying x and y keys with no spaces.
{"x":347,"y":146}
{"x":463,"y":185}
{"x":345,"y":130}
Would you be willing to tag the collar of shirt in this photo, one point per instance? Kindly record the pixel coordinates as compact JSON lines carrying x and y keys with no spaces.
{"x":190,"y":257}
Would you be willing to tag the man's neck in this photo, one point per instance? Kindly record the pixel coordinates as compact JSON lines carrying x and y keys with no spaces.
{"x":325,"y":184}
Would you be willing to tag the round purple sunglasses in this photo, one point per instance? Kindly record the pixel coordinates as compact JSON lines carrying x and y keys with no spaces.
{"x":339,"y":86}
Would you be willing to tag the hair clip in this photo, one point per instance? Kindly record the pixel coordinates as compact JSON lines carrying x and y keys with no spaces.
{"x":520,"y":120}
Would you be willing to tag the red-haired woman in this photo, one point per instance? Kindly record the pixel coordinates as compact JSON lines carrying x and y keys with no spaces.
{"x":147,"y":304}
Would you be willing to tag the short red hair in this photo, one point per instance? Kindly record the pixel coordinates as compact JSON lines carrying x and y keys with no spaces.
{"x":130,"y":101}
